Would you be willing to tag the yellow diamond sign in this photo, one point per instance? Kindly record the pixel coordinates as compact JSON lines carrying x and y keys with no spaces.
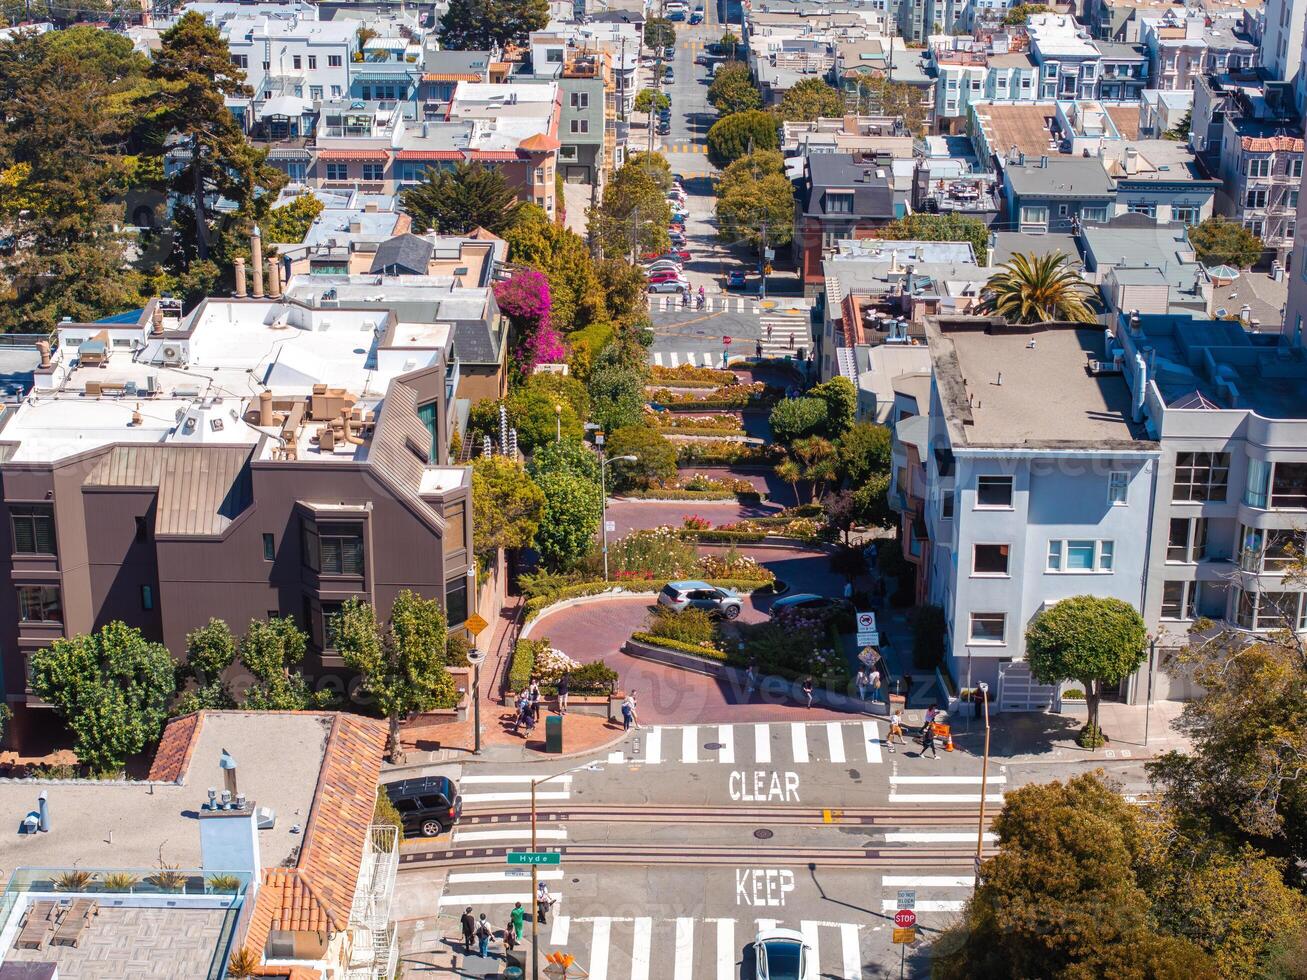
{"x":474,"y":624}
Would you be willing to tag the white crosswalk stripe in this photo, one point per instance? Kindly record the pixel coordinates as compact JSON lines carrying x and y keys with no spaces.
{"x":948,"y":787}
{"x":784,"y":743}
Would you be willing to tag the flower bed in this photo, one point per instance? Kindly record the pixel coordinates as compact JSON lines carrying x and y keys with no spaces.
{"x":581,"y":589}
{"x":724,"y":453}
{"x":794,"y":653}
{"x":694,"y":649}
{"x":719,"y":536}
{"x":755,"y":393}
{"x":535,"y":658}
{"x":713,"y":425}
{"x":702,"y":487}
{"x":687,"y":375}
{"x":679,"y":494}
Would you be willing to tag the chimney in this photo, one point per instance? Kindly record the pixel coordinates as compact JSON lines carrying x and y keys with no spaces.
{"x":156,"y":318}
{"x":43,"y":812}
{"x":225,"y":762}
{"x":43,"y":347}
{"x":239,"y":263}
{"x":265,"y":419}
{"x":256,"y":262}
{"x":370,"y":207}
{"x":229,"y":837}
{"x":274,"y":278}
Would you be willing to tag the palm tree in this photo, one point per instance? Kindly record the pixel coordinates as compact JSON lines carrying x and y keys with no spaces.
{"x":789,"y":471}
{"x":1038,"y":289}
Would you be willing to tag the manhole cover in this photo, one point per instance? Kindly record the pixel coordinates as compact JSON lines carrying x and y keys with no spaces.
{"x":714,"y":746}
{"x":762,"y":833}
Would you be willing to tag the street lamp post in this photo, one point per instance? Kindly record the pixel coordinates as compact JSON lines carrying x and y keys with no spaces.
{"x":984,"y":780}
{"x":1148,"y":704}
{"x":603,"y":496}
{"x":535,"y":869}
{"x":558,"y":423}
{"x":476,"y":658}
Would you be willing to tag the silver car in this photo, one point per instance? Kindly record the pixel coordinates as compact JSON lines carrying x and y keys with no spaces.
{"x":780,"y":954}
{"x":700,"y":595}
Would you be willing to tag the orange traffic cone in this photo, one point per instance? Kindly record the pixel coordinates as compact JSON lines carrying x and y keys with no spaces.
{"x":948,"y":741}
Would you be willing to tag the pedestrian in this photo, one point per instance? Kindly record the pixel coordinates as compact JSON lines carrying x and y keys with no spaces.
{"x":769,"y":331}
{"x":516,"y":918}
{"x":807,"y":690}
{"x":759,"y":350}
{"x":750,"y":682}
{"x":543,"y":901}
{"x":534,"y":691}
{"x":861,"y":681}
{"x":628,"y":713}
{"x":896,"y":729}
{"x":791,"y":341}
{"x":511,"y":935}
{"x":931,"y":712}
{"x":531,"y":709}
{"x":563,"y":685}
{"x":483,"y":936}
{"x":928,"y":742}
{"x":469,"y":929}
{"x":873,"y":681}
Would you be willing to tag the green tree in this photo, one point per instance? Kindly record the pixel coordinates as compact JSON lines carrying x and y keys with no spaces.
{"x":479,"y":25}
{"x":575,"y":292}
{"x":791,"y":472}
{"x":816,"y":456}
{"x":289,"y":223}
{"x":732,"y":89}
{"x":655,"y":458}
{"x":1220,"y":241}
{"x":1180,"y":131}
{"x":402,"y":665}
{"x":569,"y":456}
{"x":271,"y":650}
{"x":1017,"y":16}
{"x":112,"y":689}
{"x":727,"y":43}
{"x":795,"y":418}
{"x":841,"y":400}
{"x":1090,"y":639}
{"x":659,"y":33}
{"x":195,"y":75}
{"x":1039,"y":289}
{"x":506,"y":505}
{"x":570,"y":519}
{"x":923,"y":227}
{"x":617,"y":389}
{"x":210,"y":650}
{"x":731,"y":137}
{"x":864,"y":451}
{"x":872,"y":501}
{"x":881,"y":96}
{"x":755,"y":200}
{"x":459,"y":200}
{"x":651,"y":100}
{"x":811,"y":99}
{"x":633,"y":216}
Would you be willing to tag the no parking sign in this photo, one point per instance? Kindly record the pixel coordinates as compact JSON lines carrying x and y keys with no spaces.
{"x":867,"y":633}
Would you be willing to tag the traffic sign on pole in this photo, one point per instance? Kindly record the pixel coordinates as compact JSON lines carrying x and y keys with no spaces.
{"x":534,"y":857}
{"x":905,"y":936}
{"x":726,"y":340}
{"x":905,"y":918}
{"x":867,"y":632}
{"x":907,"y":898}
{"x":474,"y":624}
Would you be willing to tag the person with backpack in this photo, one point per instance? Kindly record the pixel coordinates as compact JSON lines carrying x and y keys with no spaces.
{"x":483,"y":937}
{"x":563,"y":685}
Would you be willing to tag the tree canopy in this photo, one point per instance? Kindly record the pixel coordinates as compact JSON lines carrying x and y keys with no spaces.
{"x":890,"y":98}
{"x":753,"y":196}
{"x":506,"y":505}
{"x":289,"y":223}
{"x":922,"y":227}
{"x":1017,"y":16}
{"x":570,"y":518}
{"x":655,"y":457}
{"x":460,"y":199}
{"x":616,"y":389}
{"x":567,"y":456}
{"x":651,"y":100}
{"x":271,"y":650}
{"x":479,"y":25}
{"x":794,"y":418}
{"x":811,"y":99}
{"x":633,"y":217}
{"x":1220,"y":241}
{"x":731,"y":137}
{"x":659,"y":32}
{"x":1039,"y":289}
{"x":732,"y":89}
{"x":576,"y":294}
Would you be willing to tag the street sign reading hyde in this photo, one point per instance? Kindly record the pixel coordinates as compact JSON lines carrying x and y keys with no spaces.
{"x":534,"y":857}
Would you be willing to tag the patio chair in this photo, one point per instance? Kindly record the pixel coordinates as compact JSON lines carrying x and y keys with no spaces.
{"x":75,"y":922}
{"x":41,"y":919}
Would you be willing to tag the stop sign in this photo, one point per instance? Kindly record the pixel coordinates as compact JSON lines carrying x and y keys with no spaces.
{"x":905,"y":918}
{"x":726,"y":340}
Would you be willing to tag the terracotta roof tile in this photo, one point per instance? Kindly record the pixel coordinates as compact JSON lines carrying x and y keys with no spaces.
{"x":173,"y":755}
{"x":1269,"y":144}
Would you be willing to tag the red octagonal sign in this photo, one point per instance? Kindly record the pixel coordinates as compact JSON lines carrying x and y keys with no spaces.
{"x":905,"y":918}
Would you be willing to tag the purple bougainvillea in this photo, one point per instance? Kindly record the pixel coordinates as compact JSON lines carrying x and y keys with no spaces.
{"x":524,"y":299}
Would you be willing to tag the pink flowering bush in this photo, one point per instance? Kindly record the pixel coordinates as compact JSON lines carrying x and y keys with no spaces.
{"x":694,"y":522}
{"x":525,"y":300}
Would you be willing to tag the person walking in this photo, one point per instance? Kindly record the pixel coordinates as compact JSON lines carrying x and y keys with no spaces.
{"x":807,"y":690}
{"x":750,"y":682}
{"x":563,"y":685}
{"x":469,"y":925}
{"x":516,"y":918}
{"x":483,"y":937}
{"x":861,"y":682}
{"x":628,"y":713}
{"x":873,"y":681}
{"x":928,"y":741}
{"x":511,"y":934}
{"x":896,"y":730}
{"x":931,"y":712}
{"x":543,"y":901}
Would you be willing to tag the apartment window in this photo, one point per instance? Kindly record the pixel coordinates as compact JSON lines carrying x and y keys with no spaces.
{"x":1062,"y":209}
{"x":33,"y":526}
{"x":1295,"y":166}
{"x":330,"y":624}
{"x":333,"y":61}
{"x":1269,"y":610}
{"x":989,"y":559}
{"x":374,"y":171}
{"x":1142,"y":207}
{"x":1186,"y":216}
{"x":333,"y":550}
{"x":456,"y":527}
{"x":580,"y":125}
{"x":994,"y":491}
{"x":1259,"y":167}
{"x":539,"y":175}
{"x":296,"y":62}
{"x":1201,"y":476}
{"x":1255,"y":199}
{"x":147,"y":598}
{"x":554,"y":56}
{"x":315,"y":93}
{"x":975,"y":85}
{"x":1256,"y":226}
{"x":946,"y":506}
{"x":241,"y":61}
{"x":1118,"y":485}
{"x":313,"y":62}
{"x":335,"y":91}
{"x":1094,"y":214}
{"x":142,"y":529}
{"x":337,"y":171}
{"x":1187,"y":540}
{"x":1179,"y":600}
{"x":1079,"y":555}
{"x":839,"y":203}
{"x":40,"y":604}
{"x":456,"y":601}
{"x":952,"y":83}
{"x":269,"y":547}
{"x":988,"y":627}
{"x":580,"y":100}
{"x":1034,"y":215}
{"x":1269,"y":550}
{"x":1289,"y":486}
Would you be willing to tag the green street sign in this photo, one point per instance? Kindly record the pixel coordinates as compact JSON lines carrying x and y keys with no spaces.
{"x":534,"y":857}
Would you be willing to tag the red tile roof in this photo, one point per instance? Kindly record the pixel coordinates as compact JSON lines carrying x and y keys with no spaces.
{"x":173,"y":756}
{"x":1271,"y":143}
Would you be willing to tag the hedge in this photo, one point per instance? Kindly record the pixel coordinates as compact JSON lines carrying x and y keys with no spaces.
{"x":707,"y":653}
{"x":712,"y":535}
{"x":702,"y":404}
{"x":722,"y":453}
{"x":522,"y":665}
{"x":593,"y":678}
{"x":662,"y":382}
{"x":581,"y":589}
{"x":678,"y":494}
{"x":702,"y":430}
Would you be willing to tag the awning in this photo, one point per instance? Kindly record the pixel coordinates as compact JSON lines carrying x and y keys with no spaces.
{"x":363,"y":75}
{"x":290,"y":106}
{"x":367,"y":156}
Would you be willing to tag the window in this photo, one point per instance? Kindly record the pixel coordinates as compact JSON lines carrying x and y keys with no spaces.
{"x":315,"y":93}
{"x":241,"y":61}
{"x":39,"y":604}
{"x":1118,"y":485}
{"x":1201,"y":476}
{"x":1062,"y":209}
{"x":1187,"y":540}
{"x":269,"y":547}
{"x":313,"y":62}
{"x":1255,"y":199}
{"x":1295,"y":167}
{"x":1269,"y":610}
{"x":267,"y":66}
{"x":456,"y":528}
{"x":946,"y":506}
{"x":1077,"y":555}
{"x":335,"y":91}
{"x":580,"y":125}
{"x":1142,"y":207}
{"x":337,"y":171}
{"x":1271,"y":551}
{"x":296,"y":62}
{"x":330,"y":624}
{"x":1289,"y":486}
{"x":539,"y":176}
{"x":147,"y":597}
{"x":580,"y":100}
{"x":554,"y":56}
{"x":374,"y":171}
{"x":989,"y":559}
{"x":142,"y":529}
{"x":988,"y":627}
{"x":1179,"y":600}
{"x":1257,"y":489}
{"x":1034,"y":215}
{"x":1259,"y":167}
{"x":333,"y":550}
{"x":1256,"y":226}
{"x":839,"y":203}
{"x":456,"y":601}
{"x":333,"y":61}
{"x":1094,"y":214}
{"x":994,"y":491}
{"x":33,"y":526}
{"x":1186,"y":216}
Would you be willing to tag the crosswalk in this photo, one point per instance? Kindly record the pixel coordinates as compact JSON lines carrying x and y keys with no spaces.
{"x":672,"y":303}
{"x":785,"y":332}
{"x":783,"y":743}
{"x":694,"y":358}
{"x":684,"y":147}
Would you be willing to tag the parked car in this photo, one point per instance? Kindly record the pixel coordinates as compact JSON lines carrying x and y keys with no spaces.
{"x":806,"y":602}
{"x":677,"y":15}
{"x":696,"y":17}
{"x":669,"y":286}
{"x":678,"y":239}
{"x":780,"y":954}
{"x":664,"y":129}
{"x":673,"y":257}
{"x":662,"y":267}
{"x":669,"y":51}
{"x":668,"y":73}
{"x":683,"y":254}
{"x":735,"y":279}
{"x":662,"y":275}
{"x":428,"y":805}
{"x":680,"y":596}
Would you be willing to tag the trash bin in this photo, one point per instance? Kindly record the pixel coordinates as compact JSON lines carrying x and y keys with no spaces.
{"x":554,"y":734}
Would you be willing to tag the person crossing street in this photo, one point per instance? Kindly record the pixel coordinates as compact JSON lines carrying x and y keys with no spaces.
{"x":469,"y":924}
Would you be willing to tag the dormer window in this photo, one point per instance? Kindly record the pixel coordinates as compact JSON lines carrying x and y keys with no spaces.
{"x":839,"y":202}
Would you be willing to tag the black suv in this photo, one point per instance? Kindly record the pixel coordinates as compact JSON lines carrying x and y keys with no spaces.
{"x":429,"y":805}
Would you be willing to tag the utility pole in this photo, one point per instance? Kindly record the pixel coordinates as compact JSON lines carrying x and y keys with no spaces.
{"x":984,"y":780}
{"x":762,"y":262}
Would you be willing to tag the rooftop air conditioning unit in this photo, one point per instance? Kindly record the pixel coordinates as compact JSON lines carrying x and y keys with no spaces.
{"x":172,"y":356}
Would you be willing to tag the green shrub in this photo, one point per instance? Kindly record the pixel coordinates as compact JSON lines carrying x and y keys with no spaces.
{"x":723,"y":453}
{"x":595,"y":678}
{"x":384,"y":812}
{"x":928,"y":635}
{"x":716,"y":536}
{"x":524,"y":662}
{"x":676,"y":493}
{"x":456,"y":650}
{"x":657,"y":553}
{"x":581,"y":589}
{"x":796,"y":418}
{"x":1073,"y":694}
{"x":688,"y":626}
{"x":708,"y":653}
{"x":794,"y":653}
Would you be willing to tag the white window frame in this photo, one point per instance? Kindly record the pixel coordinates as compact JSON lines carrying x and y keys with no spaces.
{"x":1118,"y":488}
{"x":1007,"y":564}
{"x":971,"y":630}
{"x":1188,"y":601}
{"x":1104,"y":560}
{"x":1011,"y":484}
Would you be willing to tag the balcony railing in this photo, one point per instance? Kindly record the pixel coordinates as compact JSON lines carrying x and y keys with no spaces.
{"x":376,"y":884}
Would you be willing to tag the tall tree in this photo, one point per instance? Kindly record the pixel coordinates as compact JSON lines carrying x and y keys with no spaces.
{"x":479,"y":25}
{"x":923,"y":227}
{"x":732,"y":89}
{"x":633,"y":216}
{"x":289,"y":223}
{"x":403,"y":664}
{"x":569,"y":521}
{"x":271,"y":650}
{"x":111,"y":688}
{"x":731,"y":137}
{"x":1091,"y":639}
{"x":565,"y":456}
{"x":890,"y":98}
{"x":755,"y":201}
{"x":841,"y":400}
{"x":195,"y":74}
{"x":506,"y":505}
{"x":659,"y":33}
{"x":459,"y":200}
{"x":616,"y":389}
{"x":655,"y":457}
{"x":210,"y":650}
{"x":575,"y":292}
{"x":1220,"y":241}
{"x":811,"y":99}
{"x":651,"y":100}
{"x":1039,"y":289}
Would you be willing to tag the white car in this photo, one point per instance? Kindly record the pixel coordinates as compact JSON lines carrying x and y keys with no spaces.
{"x":660,"y":266}
{"x":670,"y":286}
{"x":781,"y":954}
